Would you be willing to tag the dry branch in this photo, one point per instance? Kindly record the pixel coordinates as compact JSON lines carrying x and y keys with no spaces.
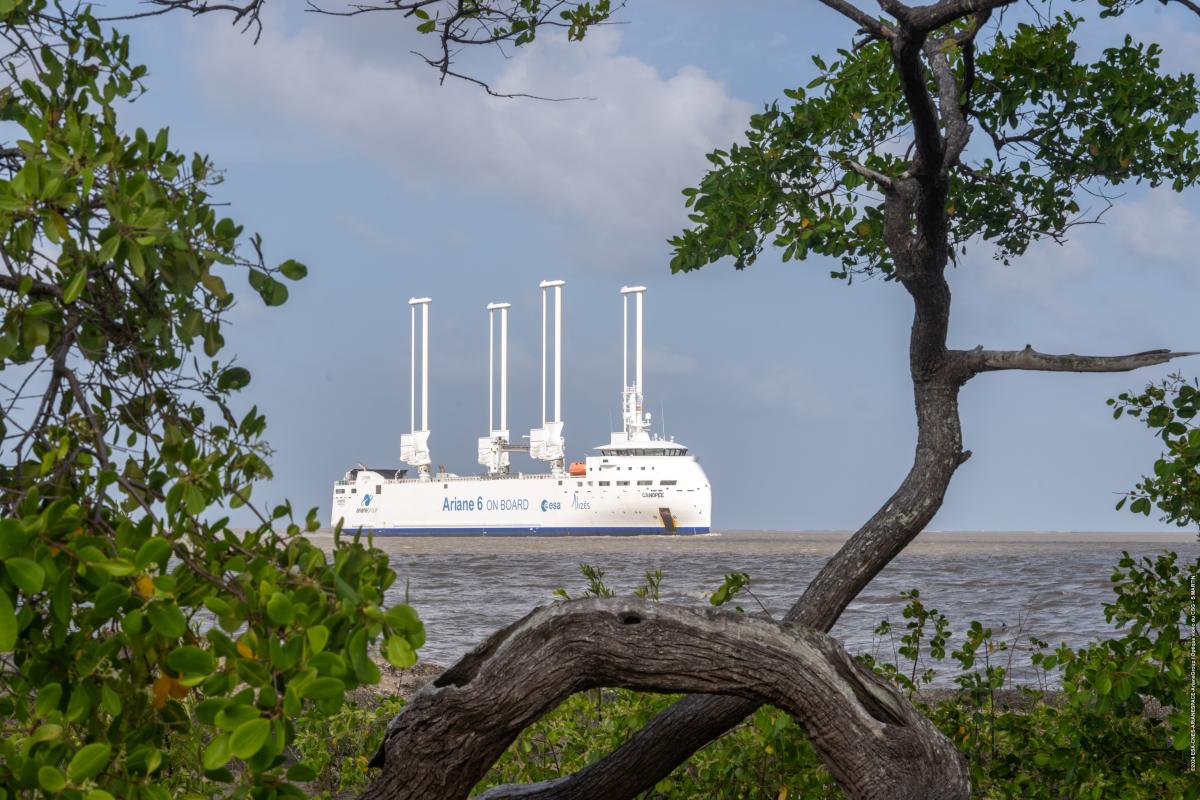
{"x":981,"y":360}
{"x":874,"y":742}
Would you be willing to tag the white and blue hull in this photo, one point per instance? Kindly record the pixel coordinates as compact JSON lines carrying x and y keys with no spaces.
{"x":618,"y":495}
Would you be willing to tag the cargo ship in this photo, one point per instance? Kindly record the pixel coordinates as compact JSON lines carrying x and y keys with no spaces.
{"x":636,"y":483}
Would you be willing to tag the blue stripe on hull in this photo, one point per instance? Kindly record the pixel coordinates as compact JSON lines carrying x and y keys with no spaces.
{"x":525,"y":531}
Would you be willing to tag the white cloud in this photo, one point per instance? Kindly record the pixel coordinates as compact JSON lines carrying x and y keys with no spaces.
{"x":1159,"y":228}
{"x":1042,"y":275}
{"x":614,"y":164}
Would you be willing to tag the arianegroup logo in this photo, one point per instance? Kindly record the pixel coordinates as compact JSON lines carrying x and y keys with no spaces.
{"x":364,"y":506}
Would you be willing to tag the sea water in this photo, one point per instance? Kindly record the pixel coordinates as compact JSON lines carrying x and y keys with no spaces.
{"x":1048,"y":585}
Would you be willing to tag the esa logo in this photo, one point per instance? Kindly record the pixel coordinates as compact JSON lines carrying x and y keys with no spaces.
{"x":551,"y":505}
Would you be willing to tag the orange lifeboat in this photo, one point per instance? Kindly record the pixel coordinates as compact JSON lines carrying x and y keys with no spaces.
{"x":577,"y":469}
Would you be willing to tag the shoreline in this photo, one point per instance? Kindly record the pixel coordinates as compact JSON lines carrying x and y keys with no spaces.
{"x":782,"y":543}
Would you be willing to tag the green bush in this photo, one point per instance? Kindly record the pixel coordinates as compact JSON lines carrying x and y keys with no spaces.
{"x":147,"y":648}
{"x":1093,"y":732}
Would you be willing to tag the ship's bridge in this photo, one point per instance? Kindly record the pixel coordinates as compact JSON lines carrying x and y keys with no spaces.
{"x":625,"y":445}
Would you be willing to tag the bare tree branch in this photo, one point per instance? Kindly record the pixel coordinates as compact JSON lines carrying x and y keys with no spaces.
{"x":980,"y":360}
{"x":872,"y":25}
{"x":885,"y":183}
{"x":36,"y":288}
{"x":931,"y":17}
{"x":874,"y":742}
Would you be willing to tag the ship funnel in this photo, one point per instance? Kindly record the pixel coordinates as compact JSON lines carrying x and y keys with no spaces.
{"x":546,"y":443}
{"x":414,"y":446}
{"x":636,"y":421}
{"x":494,"y":448}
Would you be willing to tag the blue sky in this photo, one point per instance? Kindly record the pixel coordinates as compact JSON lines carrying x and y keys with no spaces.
{"x":340,"y":147}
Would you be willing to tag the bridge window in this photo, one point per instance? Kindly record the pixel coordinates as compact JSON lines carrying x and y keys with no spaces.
{"x":604,"y":483}
{"x":622,"y":483}
{"x":666,"y":483}
{"x":645,"y":483}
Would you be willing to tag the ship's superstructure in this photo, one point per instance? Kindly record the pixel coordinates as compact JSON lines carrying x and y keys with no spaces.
{"x":638,"y":483}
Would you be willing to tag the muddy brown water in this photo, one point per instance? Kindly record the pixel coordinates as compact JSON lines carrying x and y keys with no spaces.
{"x":1051,"y":585}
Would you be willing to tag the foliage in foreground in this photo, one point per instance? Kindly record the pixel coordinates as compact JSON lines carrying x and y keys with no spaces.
{"x":1109,"y":721}
{"x":147,"y":649}
{"x":1099,"y":735}
{"x":1169,"y":408}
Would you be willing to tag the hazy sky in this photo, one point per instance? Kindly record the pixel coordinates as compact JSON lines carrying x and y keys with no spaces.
{"x":341,"y":148}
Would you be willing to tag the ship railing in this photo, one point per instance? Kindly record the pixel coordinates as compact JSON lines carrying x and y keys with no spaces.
{"x":512,"y":476}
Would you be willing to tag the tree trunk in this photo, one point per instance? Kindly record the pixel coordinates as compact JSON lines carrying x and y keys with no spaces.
{"x":873,"y":741}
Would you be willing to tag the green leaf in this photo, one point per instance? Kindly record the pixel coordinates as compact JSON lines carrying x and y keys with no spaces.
{"x":218,"y":606}
{"x":279,"y":609}
{"x":12,"y":538}
{"x":399,"y":653}
{"x":233,"y":379}
{"x":231,"y":717}
{"x":167,"y":619}
{"x":301,"y":772}
{"x":8,"y":624}
{"x":46,"y":733}
{"x":51,"y":778}
{"x":318,"y":636}
{"x":26,"y":573}
{"x":117,"y":567}
{"x":89,"y":761}
{"x":49,"y":696}
{"x":249,"y":737}
{"x":153,"y":551}
{"x":364,"y":668}
{"x":193,"y":499}
{"x":108,"y":248}
{"x":218,"y":752}
{"x":8,"y":343}
{"x":191,"y":660}
{"x":215,"y":286}
{"x":74,"y":287}
{"x":293,"y":270}
{"x":324,"y":689}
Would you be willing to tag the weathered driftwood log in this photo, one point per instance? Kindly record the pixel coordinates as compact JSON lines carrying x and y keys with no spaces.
{"x":873,"y":741}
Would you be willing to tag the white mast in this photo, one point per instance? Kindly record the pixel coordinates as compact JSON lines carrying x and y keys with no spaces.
{"x":493,"y":448}
{"x":414,"y":446}
{"x":636,"y":423}
{"x":546,"y":443}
